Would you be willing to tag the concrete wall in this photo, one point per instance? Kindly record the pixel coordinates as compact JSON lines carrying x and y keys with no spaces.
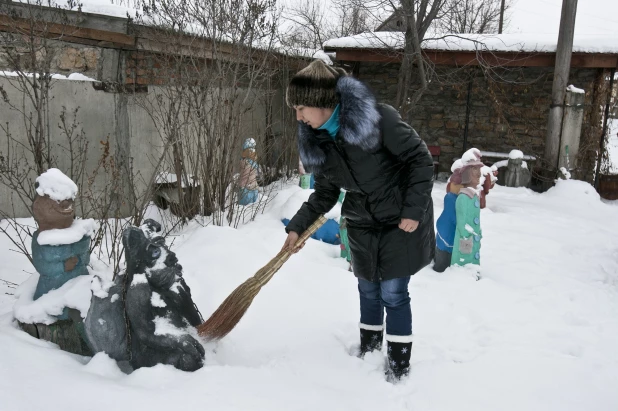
{"x":134,"y":141}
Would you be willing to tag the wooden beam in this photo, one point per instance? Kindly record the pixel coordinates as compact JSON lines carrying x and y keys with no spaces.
{"x":471,"y":58}
{"x":62,"y":32}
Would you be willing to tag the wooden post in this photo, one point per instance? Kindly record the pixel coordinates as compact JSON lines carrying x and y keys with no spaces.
{"x":501,"y":25}
{"x":561,"y":76}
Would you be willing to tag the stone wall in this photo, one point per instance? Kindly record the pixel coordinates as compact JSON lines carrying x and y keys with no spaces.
{"x":93,"y":62}
{"x":507,"y":110}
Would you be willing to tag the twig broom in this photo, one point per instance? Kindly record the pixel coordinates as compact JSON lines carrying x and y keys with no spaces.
{"x":229,"y":313}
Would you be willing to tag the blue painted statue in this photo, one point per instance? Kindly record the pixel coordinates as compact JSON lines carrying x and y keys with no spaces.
{"x":61,"y":245}
{"x":248,"y":193}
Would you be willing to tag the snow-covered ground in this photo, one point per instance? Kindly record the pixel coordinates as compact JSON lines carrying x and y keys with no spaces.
{"x":539,"y":331}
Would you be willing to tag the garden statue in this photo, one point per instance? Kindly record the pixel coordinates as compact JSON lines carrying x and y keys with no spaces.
{"x":468,"y":233}
{"x":61,"y":245}
{"x":517,"y":173}
{"x":306,"y":179}
{"x":60,"y":255}
{"x":248,"y":193}
{"x":147,"y":316}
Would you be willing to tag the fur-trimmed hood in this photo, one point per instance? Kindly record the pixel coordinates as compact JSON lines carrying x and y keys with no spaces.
{"x":359,"y":123}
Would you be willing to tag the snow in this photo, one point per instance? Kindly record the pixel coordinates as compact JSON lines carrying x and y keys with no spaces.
{"x":478,"y":42}
{"x":565,"y":173}
{"x":516,"y":155}
{"x":73,"y":234}
{"x":75,"y":293}
{"x":171,"y":178}
{"x":101,"y":7}
{"x":156,"y":300}
{"x":470,"y":229}
{"x":471,"y":155}
{"x":539,"y":331}
{"x":486,"y":171}
{"x":56,"y":185}
{"x":504,"y":155}
{"x":500,"y":164}
{"x":321,"y":55}
{"x":100,"y":287}
{"x":296,"y":200}
{"x":139,"y":279}
{"x":457,"y":164}
{"x":574,"y":89}
{"x":163,"y":326}
{"x":55,"y":76}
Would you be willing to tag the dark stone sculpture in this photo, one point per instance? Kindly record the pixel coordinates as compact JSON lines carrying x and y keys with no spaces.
{"x":148,"y":316}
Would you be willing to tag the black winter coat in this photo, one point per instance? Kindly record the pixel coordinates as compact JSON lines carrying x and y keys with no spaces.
{"x":387,"y":172}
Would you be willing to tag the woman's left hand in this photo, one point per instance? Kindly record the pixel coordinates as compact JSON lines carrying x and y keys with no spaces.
{"x":408,"y":225}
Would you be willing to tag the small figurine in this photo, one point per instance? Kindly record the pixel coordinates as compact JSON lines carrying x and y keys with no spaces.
{"x":446,"y":223}
{"x":306,"y":179}
{"x":248,"y":193}
{"x":343,"y":236}
{"x":468,"y":233}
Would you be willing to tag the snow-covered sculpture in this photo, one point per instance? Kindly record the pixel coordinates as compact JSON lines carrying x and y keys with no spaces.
{"x":61,"y":245}
{"x":248,"y":193}
{"x":146,"y":316}
{"x":517,"y":173}
{"x":51,"y":305}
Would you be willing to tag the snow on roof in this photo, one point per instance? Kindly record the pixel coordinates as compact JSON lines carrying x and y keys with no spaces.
{"x":540,"y":43}
{"x":100,"y":7}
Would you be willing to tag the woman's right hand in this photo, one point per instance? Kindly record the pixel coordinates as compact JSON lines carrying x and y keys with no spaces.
{"x":290,"y":243}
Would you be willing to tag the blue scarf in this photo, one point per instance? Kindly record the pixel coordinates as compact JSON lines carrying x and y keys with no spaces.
{"x":332,"y":125}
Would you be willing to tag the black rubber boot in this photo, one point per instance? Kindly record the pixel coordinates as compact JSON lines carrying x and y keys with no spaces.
{"x":370,"y":340}
{"x":398,"y":360}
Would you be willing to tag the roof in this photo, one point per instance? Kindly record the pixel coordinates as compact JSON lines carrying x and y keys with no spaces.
{"x":99,"y":23}
{"x":461,"y":49}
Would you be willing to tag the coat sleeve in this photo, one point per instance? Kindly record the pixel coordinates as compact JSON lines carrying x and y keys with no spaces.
{"x":320,"y":202}
{"x":406,"y":145}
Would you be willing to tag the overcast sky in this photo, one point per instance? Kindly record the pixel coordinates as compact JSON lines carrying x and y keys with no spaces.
{"x":594,"y":17}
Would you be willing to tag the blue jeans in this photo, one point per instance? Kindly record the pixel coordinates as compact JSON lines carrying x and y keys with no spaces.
{"x":391,"y":295}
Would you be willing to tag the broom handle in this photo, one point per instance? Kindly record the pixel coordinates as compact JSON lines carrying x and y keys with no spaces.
{"x":311,"y":230}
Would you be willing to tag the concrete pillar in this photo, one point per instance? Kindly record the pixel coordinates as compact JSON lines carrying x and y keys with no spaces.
{"x":571,"y":127}
{"x":109,"y":64}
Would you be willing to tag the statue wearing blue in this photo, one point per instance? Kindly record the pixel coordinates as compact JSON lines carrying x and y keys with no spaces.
{"x":248,"y":193}
{"x":61,"y":245}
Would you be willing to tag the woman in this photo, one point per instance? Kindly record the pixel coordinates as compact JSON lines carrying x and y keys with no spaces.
{"x":350,"y":141}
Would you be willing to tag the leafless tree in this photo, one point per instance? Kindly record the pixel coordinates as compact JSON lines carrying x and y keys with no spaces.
{"x":312,"y":22}
{"x":422,"y":19}
{"x":218,"y":71}
{"x":32,"y":34}
{"x":472,"y":16}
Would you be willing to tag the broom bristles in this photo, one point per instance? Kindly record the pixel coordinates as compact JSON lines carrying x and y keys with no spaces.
{"x":234,"y":307}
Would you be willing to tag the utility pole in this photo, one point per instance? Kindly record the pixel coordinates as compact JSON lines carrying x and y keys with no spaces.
{"x":561,"y":77}
{"x":501,"y":17}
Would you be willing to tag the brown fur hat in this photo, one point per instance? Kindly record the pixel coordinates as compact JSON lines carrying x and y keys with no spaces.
{"x":315,"y":86}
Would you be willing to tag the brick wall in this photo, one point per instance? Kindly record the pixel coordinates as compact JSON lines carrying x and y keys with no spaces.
{"x":507,"y":111}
